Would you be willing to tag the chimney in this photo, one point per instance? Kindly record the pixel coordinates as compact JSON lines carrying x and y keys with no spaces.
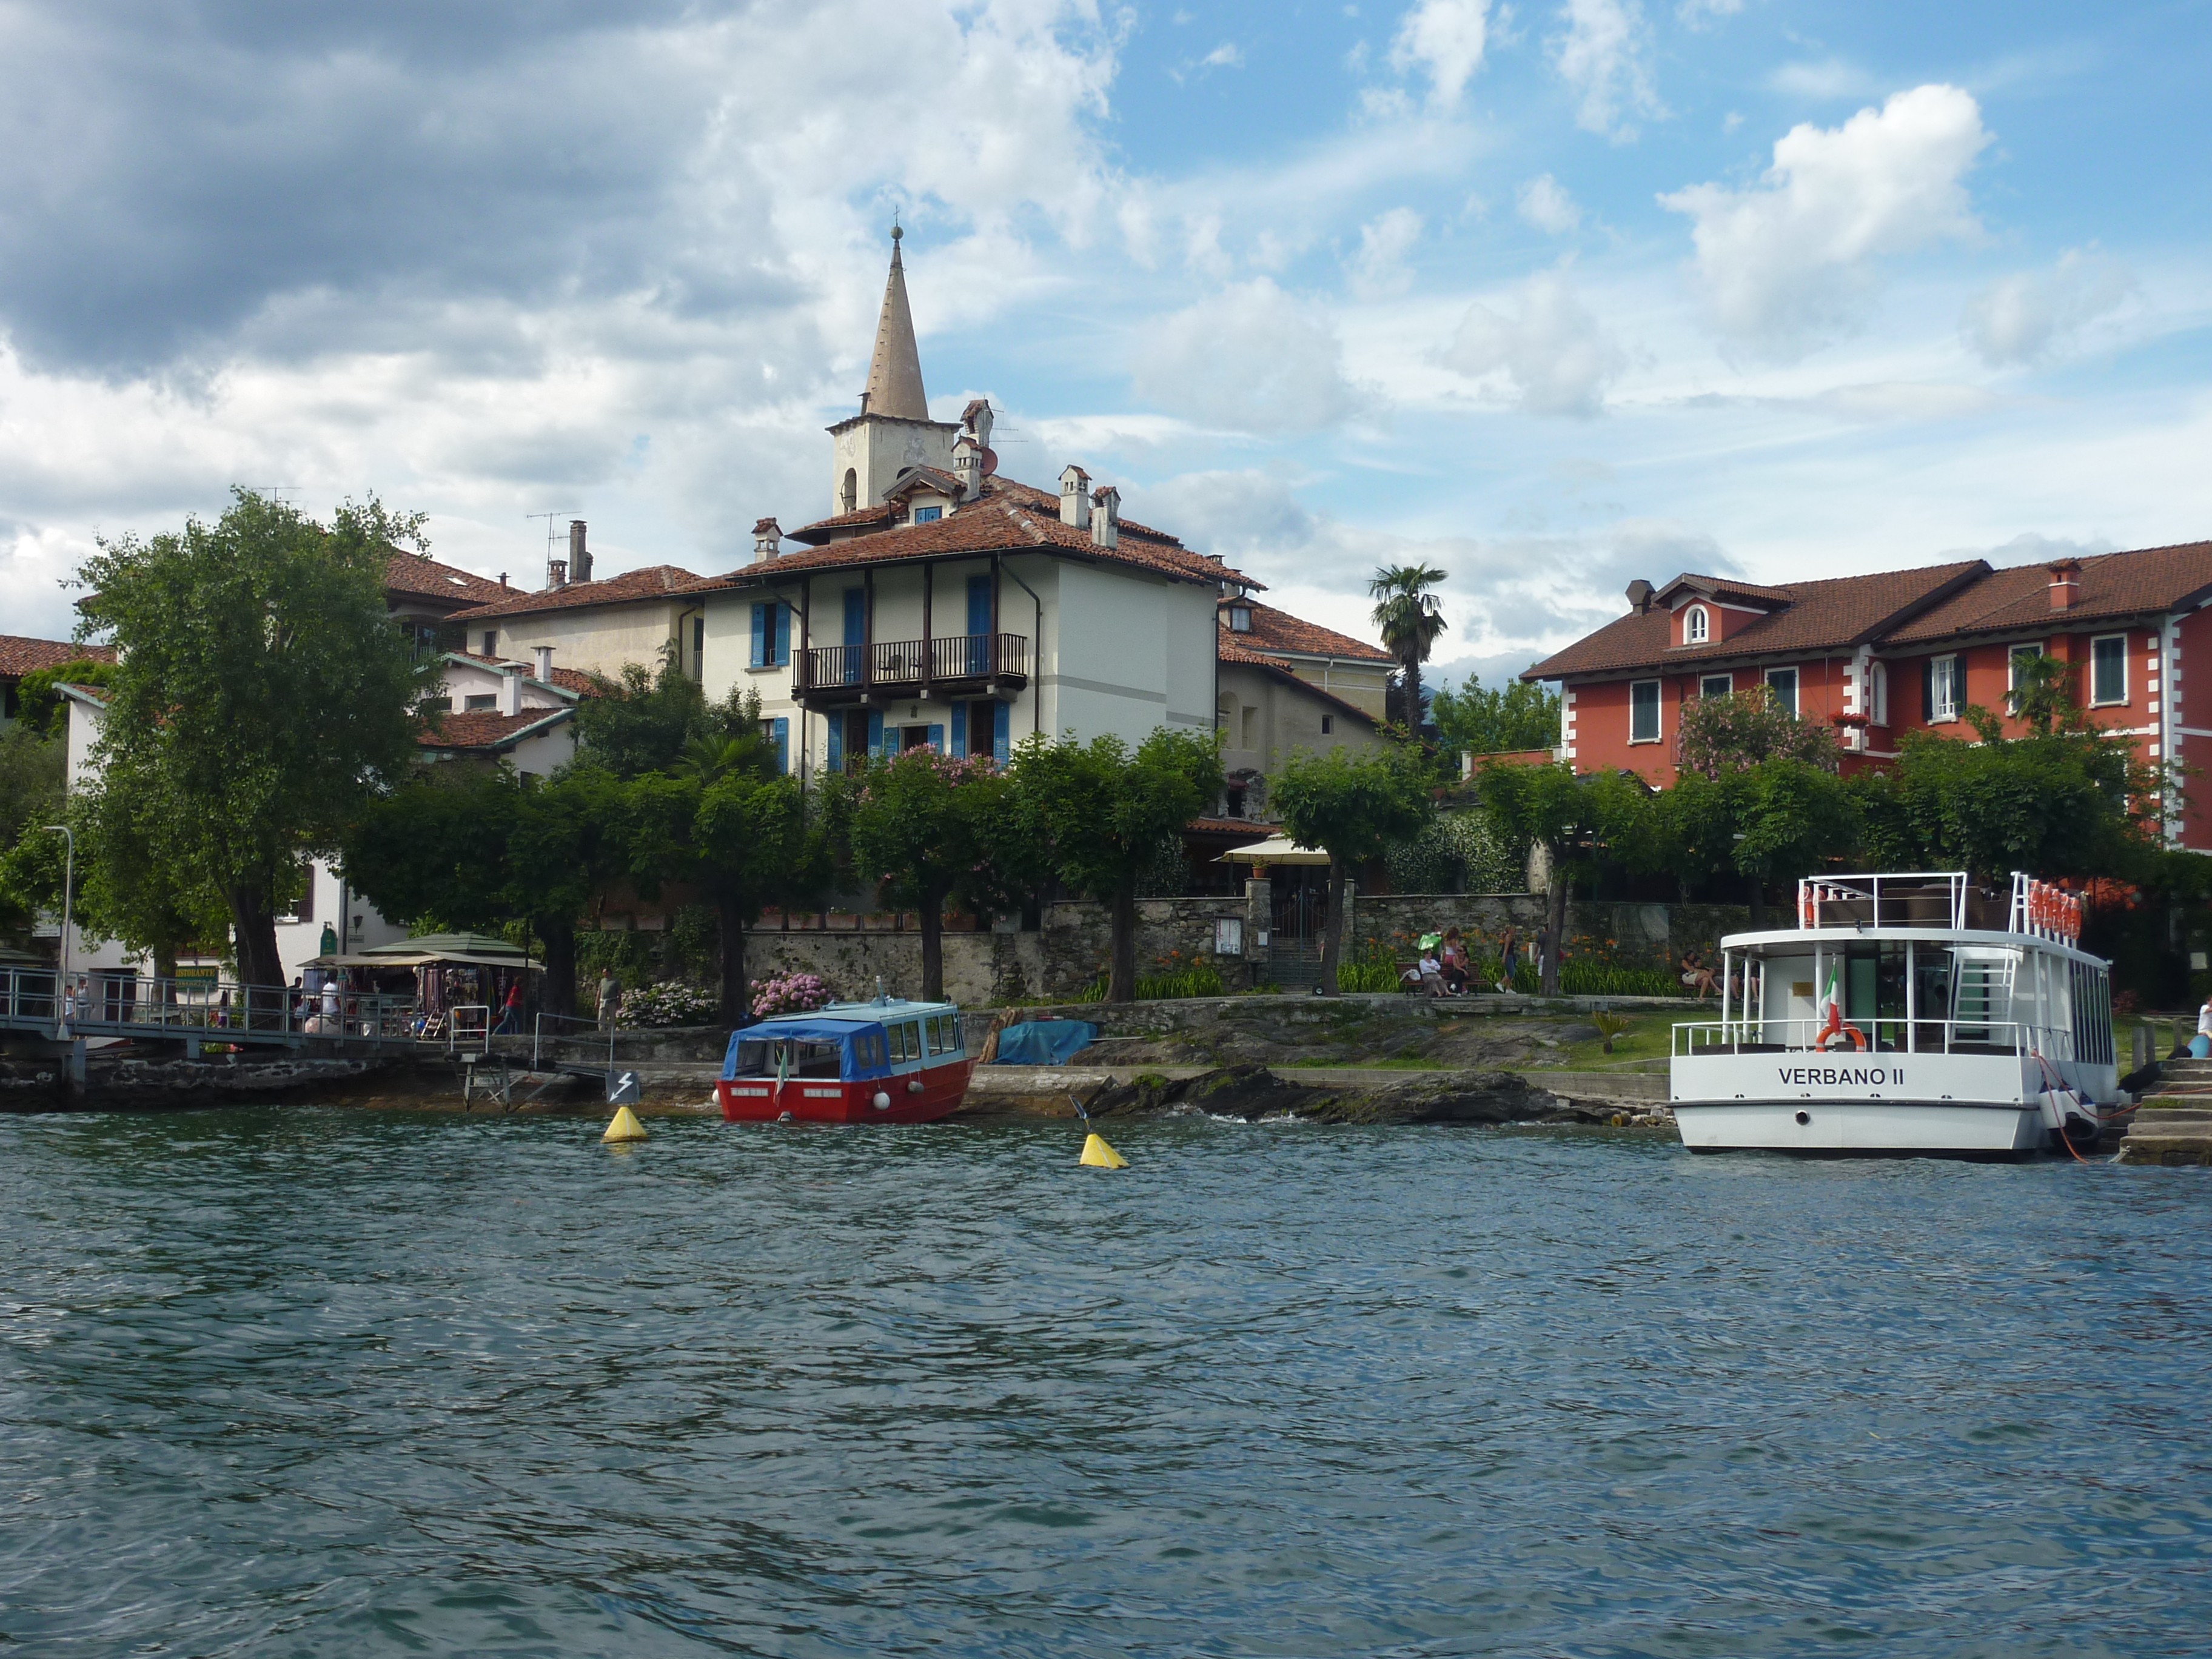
{"x":557,"y":573}
{"x":1106,"y":517}
{"x":976,"y":419}
{"x":967,"y":466}
{"x":2065,"y":583}
{"x":1075,"y":497}
{"x":580,"y":555}
{"x":768,"y":540}
{"x":544,"y":655}
{"x":510,"y":690}
{"x":1639,"y":596}
{"x":502,"y":581}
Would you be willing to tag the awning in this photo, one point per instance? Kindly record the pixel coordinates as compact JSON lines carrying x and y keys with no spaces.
{"x":392,"y":959}
{"x":1276,"y":849}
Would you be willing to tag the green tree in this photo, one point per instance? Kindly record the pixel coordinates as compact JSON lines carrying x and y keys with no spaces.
{"x":1716,"y":735}
{"x":1411,"y":620}
{"x":1102,"y":809}
{"x":260,"y":700}
{"x":1352,"y":807}
{"x":1481,"y":719}
{"x":38,"y":701}
{"x":1546,"y":807}
{"x":920,"y":822}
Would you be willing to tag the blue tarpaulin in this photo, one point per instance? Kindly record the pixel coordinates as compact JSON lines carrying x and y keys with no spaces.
{"x":1044,"y":1041}
{"x":860,"y":1044}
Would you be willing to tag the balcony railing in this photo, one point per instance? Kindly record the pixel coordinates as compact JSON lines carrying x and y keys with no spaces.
{"x":903,"y":665}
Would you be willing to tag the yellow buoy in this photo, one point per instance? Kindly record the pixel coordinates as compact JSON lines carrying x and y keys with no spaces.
{"x":1099,"y":1156}
{"x":625,"y":1127}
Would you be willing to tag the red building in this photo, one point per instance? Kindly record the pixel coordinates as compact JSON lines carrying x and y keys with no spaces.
{"x":1900,"y":650}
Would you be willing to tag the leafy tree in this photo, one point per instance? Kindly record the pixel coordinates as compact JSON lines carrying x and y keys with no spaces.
{"x":920,"y":824}
{"x":1485,"y":720}
{"x":645,"y":721}
{"x":262,"y":698}
{"x":1549,"y":806}
{"x":1352,"y":807}
{"x":1101,"y":810}
{"x":1412,"y":621}
{"x":1723,"y":735}
{"x":39,"y":703}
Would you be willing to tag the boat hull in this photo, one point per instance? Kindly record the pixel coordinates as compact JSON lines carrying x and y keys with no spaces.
{"x":1862,"y":1126}
{"x":832,"y":1100}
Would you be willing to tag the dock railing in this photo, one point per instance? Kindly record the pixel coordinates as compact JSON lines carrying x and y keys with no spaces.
{"x":1700,"y":1039}
{"x":100,"y":1003}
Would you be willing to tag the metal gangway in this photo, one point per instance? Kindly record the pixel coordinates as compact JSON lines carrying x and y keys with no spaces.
{"x":557,"y":1046}
{"x":104,"y":1003}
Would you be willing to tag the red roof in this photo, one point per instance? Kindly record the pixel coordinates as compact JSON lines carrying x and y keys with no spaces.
{"x":484,"y":728}
{"x":1835,"y":614}
{"x":568,"y":679}
{"x":2112,"y":585}
{"x":1279,"y":630}
{"x":19,"y":655}
{"x":654,"y":581}
{"x":1230,"y":647}
{"x":412,"y":573}
{"x":1006,"y":517}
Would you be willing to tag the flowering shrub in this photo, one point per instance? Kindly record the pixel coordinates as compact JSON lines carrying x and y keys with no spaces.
{"x":793,"y":993}
{"x":672,"y":1002}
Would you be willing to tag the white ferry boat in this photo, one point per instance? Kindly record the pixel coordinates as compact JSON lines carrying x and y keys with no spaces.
{"x":1888,"y":1021}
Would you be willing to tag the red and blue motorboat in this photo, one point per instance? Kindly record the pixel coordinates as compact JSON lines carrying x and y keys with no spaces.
{"x":884,"y":1061}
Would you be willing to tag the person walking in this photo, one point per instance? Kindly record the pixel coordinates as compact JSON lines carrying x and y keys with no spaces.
{"x":609,"y":999}
{"x":1506,"y":943}
{"x":510,"y":1012}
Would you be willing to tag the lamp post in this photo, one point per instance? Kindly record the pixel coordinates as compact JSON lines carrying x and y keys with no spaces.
{"x":68,"y":899}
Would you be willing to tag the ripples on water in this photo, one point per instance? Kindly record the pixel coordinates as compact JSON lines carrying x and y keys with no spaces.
{"x":325,"y":1380}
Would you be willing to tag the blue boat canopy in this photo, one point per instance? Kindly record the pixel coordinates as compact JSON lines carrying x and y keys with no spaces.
{"x":863,"y":1049}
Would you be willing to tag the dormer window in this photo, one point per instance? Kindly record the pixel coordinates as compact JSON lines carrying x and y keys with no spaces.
{"x":928,"y":515}
{"x":1697,"y":625}
{"x":1240,"y":618}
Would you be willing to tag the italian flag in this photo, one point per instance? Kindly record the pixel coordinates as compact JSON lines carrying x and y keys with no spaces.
{"x":1831,"y":997}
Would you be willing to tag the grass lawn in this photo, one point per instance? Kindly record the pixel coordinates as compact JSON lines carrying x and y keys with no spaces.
{"x":1647,"y":1039}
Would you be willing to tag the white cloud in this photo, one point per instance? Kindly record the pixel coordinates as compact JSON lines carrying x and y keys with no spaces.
{"x":1555,"y":354}
{"x":2026,"y":316}
{"x":1252,"y":358}
{"x":1699,"y":13}
{"x":1545,"y":203}
{"x":1445,"y":38}
{"x":1830,"y":77}
{"x":1384,"y":242}
{"x":1224,"y":56}
{"x":1785,"y":263}
{"x":1605,"y":56}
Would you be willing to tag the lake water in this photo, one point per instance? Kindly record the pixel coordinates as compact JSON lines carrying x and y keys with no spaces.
{"x":335,"y":1382}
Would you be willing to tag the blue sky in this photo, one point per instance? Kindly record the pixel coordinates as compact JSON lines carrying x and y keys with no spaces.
{"x":1550,"y":295}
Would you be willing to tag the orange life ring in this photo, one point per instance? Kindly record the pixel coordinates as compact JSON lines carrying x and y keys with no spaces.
{"x":1835,"y":1033}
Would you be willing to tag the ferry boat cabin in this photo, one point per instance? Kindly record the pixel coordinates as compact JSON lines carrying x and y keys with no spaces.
{"x":886,"y":1061}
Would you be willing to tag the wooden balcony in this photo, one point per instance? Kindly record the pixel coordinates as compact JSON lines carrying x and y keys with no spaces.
{"x":957,"y":666}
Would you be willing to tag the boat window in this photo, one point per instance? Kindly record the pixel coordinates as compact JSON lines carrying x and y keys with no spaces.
{"x":868,"y":1051}
{"x":814,"y":1059}
{"x":906,"y":1043}
{"x":940,"y":1034}
{"x":752,"y":1060}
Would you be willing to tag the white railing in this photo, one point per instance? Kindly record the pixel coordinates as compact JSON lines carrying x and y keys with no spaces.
{"x":105,"y":1004}
{"x":1695,"y":1039}
{"x":1912,"y":899}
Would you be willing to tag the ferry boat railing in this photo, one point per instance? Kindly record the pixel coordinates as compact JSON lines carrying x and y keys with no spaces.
{"x":1987,"y":1038}
{"x":1926,"y":898}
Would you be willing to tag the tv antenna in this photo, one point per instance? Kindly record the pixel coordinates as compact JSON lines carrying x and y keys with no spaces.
{"x":551,"y":520}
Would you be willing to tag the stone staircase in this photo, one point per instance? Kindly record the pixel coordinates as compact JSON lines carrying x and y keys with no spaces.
{"x":2174,"y":1125}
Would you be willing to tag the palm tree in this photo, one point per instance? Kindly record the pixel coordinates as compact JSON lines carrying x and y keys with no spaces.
{"x":1411,"y":621}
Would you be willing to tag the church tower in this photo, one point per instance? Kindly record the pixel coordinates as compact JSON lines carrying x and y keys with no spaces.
{"x":893,"y":430}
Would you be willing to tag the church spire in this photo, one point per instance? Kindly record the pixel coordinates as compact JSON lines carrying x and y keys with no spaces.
{"x":894,"y":372}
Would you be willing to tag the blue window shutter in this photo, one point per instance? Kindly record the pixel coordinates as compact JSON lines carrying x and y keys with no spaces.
{"x":936,"y":737}
{"x":782,"y":744}
{"x":782,"y":635}
{"x":856,"y":615}
{"x":979,"y":604}
{"x":959,"y":731}
{"x":875,"y":732}
{"x":833,"y":751}
{"x":1001,"y":748}
{"x":760,"y":636}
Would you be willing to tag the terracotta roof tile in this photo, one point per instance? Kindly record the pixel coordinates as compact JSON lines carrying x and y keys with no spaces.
{"x":19,"y":655}
{"x":483,"y":728}
{"x":1005,"y":518}
{"x":654,"y":581}
{"x":2112,"y":585}
{"x":881,"y":514}
{"x":410,"y":573}
{"x":1279,"y":630}
{"x":1831,"y":614}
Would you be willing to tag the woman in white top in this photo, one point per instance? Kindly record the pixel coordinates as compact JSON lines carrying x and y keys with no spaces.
{"x":2202,"y":1044}
{"x":1432,"y":973}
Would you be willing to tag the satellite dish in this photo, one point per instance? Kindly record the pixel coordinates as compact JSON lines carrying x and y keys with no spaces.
{"x":988,"y":461}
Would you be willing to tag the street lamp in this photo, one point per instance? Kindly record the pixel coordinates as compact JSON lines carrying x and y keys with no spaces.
{"x":69,"y":898}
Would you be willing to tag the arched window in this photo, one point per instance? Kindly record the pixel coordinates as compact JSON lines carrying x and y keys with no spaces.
{"x":850,"y":494}
{"x":1695,"y":626}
